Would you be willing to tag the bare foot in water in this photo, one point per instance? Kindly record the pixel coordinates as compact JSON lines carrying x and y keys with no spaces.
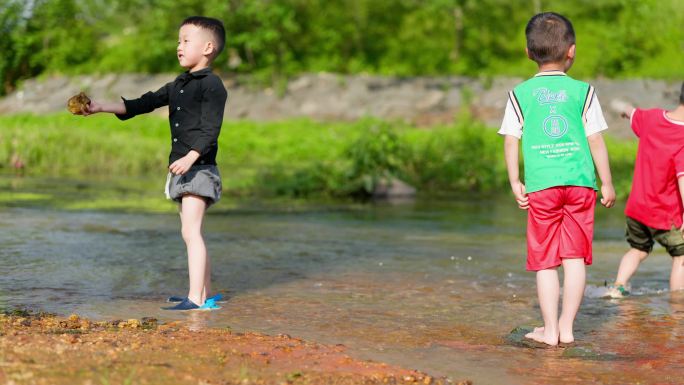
{"x":565,"y":335}
{"x":539,"y":334}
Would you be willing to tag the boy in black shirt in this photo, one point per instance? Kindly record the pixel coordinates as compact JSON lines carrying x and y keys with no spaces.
{"x":196,"y":101}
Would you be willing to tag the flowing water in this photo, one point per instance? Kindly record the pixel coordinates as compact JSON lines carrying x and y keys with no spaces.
{"x":429,"y":285}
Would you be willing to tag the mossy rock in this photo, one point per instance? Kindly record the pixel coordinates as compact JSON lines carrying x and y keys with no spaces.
{"x":588,"y":353}
{"x":517,"y":338}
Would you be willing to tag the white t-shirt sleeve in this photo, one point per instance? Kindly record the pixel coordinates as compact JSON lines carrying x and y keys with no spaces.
{"x":594,"y":120}
{"x":510,"y":124}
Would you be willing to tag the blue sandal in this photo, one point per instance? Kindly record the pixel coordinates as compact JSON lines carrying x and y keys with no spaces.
{"x":209,"y":304}
{"x":175,"y":298}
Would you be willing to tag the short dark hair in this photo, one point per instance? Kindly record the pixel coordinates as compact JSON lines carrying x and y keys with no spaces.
{"x":214,"y":26}
{"x":549,"y":35}
{"x":681,"y":95}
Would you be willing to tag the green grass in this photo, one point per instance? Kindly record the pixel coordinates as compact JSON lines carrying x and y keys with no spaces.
{"x":294,"y":158}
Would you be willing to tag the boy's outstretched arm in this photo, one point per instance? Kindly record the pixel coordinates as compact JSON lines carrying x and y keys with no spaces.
{"x":511,"y":152}
{"x":94,"y":107}
{"x":623,"y":108}
{"x":128,"y":108}
{"x":600,"y":154}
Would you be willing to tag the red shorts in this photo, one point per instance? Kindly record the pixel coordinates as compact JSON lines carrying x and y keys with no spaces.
{"x":560,"y":224}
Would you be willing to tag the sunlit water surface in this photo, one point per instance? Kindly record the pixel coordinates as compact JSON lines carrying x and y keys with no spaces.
{"x":434,"y":286}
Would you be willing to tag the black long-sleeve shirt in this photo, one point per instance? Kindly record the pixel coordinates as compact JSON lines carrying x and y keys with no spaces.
{"x":196,"y":102}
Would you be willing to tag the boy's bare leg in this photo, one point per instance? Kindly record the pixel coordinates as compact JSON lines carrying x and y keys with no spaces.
{"x":574,"y":279}
{"x":629,"y":264}
{"x":207,"y":278}
{"x":192,"y":214}
{"x":677,"y":274}
{"x":548,"y":290}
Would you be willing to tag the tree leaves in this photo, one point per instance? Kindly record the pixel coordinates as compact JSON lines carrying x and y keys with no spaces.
{"x":276,"y":39}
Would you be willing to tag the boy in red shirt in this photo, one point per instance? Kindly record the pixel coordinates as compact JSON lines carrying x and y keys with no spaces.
{"x":654,"y":208}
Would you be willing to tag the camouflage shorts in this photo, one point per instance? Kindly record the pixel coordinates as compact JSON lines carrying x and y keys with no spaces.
{"x":642,"y":237}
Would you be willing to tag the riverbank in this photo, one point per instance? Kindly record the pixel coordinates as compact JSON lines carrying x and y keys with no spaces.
{"x":47,"y":349}
{"x":291,"y":159}
{"x":421,"y":100}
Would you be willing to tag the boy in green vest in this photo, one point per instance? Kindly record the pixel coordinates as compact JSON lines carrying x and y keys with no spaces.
{"x":560,"y":121}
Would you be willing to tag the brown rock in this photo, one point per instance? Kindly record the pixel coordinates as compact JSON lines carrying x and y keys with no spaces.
{"x":77,"y":104}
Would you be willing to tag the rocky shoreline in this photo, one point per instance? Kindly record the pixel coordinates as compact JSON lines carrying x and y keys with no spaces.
{"x":423,"y":101}
{"x":38,"y":348}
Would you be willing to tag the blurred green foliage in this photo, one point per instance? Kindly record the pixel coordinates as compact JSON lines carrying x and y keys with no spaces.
{"x":295,"y":158}
{"x":275,"y":39}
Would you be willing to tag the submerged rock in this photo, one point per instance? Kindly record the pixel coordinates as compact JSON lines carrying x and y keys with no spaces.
{"x":517,"y":338}
{"x":588,"y":353}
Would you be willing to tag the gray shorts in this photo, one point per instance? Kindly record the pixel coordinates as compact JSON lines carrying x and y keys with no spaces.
{"x":200,"y":180}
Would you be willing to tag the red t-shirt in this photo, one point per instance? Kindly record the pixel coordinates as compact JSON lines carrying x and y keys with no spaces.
{"x":654,"y":199}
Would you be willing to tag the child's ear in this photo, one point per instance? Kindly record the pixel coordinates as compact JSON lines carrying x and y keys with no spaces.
{"x":571,"y":52}
{"x":527,"y":52}
{"x":209,"y":48}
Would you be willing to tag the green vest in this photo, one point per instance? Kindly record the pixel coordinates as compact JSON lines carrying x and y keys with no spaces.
{"x":551,"y":109}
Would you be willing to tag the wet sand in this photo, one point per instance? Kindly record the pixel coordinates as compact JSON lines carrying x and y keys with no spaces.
{"x":37,"y":348}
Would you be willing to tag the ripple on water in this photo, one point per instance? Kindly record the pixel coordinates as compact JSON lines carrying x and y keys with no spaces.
{"x":427,"y":286}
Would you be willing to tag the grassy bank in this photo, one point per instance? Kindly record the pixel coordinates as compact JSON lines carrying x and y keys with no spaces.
{"x":295,"y":158}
